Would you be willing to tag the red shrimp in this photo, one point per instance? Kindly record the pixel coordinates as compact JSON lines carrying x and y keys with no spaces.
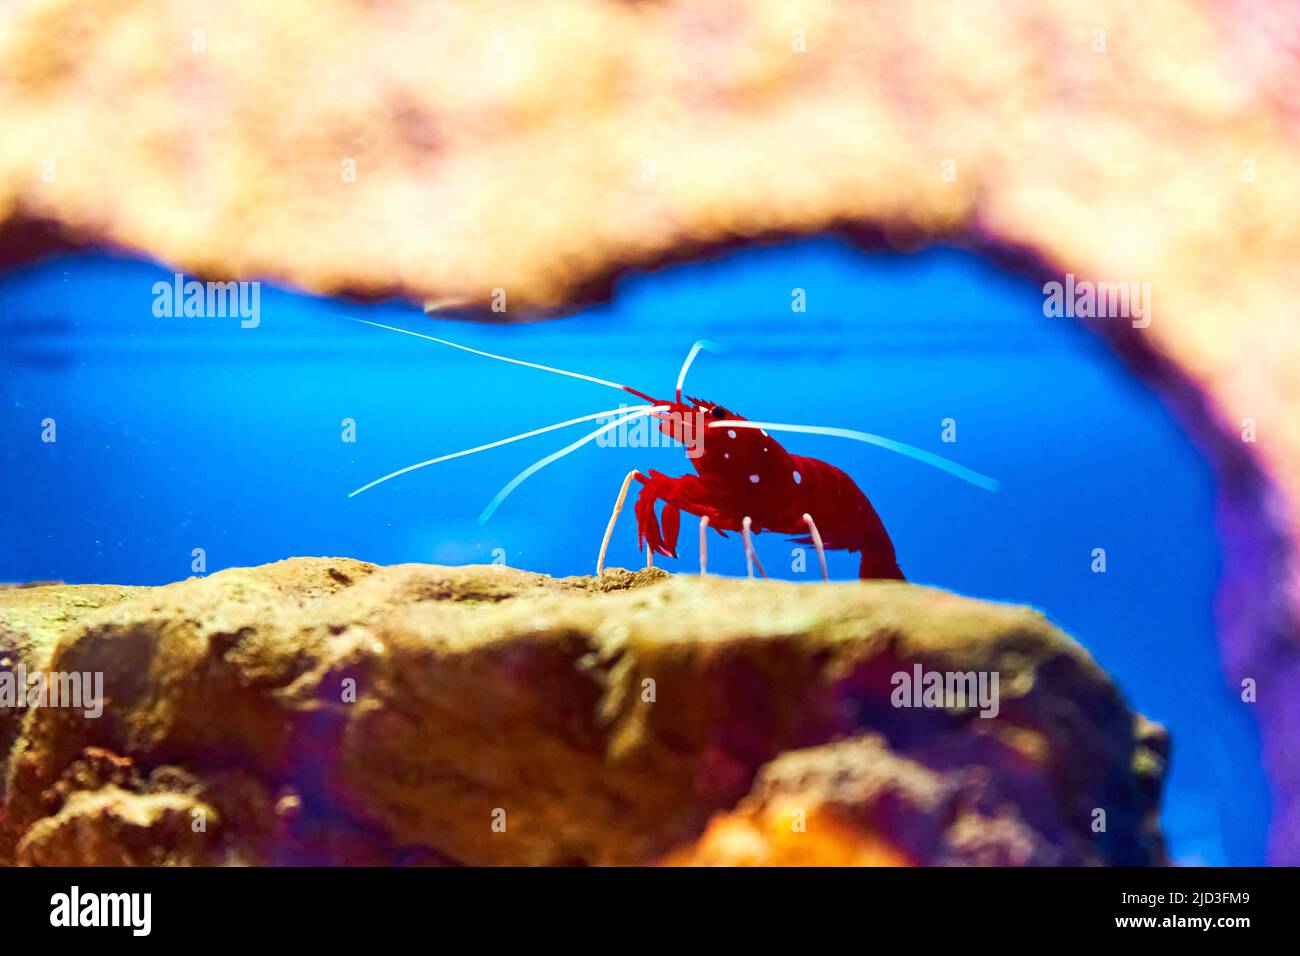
{"x":745,"y":481}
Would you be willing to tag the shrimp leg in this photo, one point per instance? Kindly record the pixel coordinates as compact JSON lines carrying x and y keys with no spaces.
{"x":817,"y":542}
{"x":704,"y":545}
{"x":751,"y":556}
{"x":613,"y":519}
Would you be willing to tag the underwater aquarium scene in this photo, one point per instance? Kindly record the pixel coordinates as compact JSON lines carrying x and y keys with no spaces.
{"x":815,"y":438}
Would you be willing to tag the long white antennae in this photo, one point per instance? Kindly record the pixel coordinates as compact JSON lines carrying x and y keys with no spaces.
{"x":686,"y":366}
{"x":499,"y":358}
{"x":929,"y":458}
{"x":495,"y":444}
{"x":537,"y":466}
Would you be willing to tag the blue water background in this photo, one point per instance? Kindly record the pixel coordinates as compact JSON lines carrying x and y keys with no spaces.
{"x":176,"y":434}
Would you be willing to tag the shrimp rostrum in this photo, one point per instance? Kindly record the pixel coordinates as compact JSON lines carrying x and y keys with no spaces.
{"x":744,"y":480}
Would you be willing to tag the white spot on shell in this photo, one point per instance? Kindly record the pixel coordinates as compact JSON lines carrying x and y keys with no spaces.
{"x":797,"y":477}
{"x":731,"y":433}
{"x":754,"y":479}
{"x":726,"y":454}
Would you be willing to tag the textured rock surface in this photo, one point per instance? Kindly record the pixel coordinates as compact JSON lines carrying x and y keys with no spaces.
{"x":230,"y":734}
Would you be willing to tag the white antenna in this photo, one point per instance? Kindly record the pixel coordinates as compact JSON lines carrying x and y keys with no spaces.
{"x":920,"y":454}
{"x":537,"y":466}
{"x":495,"y":444}
{"x":499,"y":358}
{"x":686,"y":366}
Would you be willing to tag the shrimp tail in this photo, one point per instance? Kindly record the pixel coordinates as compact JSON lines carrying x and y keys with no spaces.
{"x":878,"y":566}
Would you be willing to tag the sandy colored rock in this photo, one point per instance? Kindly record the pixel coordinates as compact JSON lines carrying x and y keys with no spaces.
{"x":331,"y":711}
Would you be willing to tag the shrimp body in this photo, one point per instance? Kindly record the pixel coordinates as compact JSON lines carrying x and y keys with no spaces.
{"x":743,"y":472}
{"x":745,"y":480}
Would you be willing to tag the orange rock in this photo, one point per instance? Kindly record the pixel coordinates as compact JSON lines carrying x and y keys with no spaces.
{"x":769,"y":838}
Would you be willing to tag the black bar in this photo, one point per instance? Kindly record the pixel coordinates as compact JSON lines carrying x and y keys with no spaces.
{"x":236,"y":906}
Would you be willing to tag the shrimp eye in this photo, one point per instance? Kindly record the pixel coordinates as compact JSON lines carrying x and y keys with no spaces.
{"x":717,"y":411}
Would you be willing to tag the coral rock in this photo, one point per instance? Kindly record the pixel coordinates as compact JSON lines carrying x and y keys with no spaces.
{"x":483,"y":715}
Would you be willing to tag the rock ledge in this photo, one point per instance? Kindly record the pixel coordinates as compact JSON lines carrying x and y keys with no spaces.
{"x":329,"y":711}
